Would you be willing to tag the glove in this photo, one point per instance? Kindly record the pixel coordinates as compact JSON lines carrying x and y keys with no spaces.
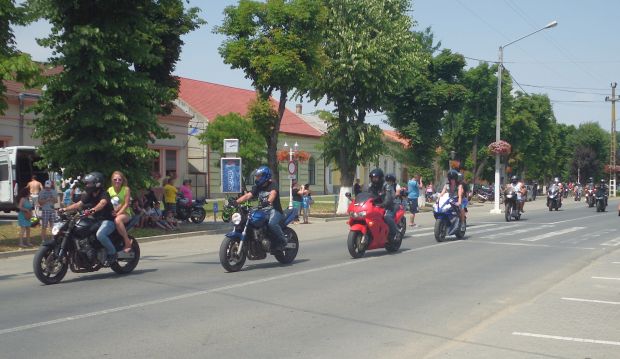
{"x":232,"y":202}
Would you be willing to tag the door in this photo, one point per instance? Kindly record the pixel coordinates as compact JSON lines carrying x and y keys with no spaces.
{"x":6,"y":178}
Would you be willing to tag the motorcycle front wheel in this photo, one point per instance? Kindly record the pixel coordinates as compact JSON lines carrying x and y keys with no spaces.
{"x":441,"y":229}
{"x":355,"y":245}
{"x":48,"y":268}
{"x":229,"y":259}
{"x":124,"y":266}
{"x":508,"y":212}
{"x":198,"y":215}
{"x":460,"y":234}
{"x":292,"y":247}
{"x":394,"y":245}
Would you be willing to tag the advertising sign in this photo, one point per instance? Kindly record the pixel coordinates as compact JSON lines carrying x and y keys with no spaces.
{"x":231,"y":175}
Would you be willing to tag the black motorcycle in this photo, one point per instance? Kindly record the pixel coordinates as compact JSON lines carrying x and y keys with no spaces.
{"x":74,"y":246}
{"x":194,"y":211}
{"x":511,"y":209}
{"x":553,"y":198}
{"x":251,"y":238}
{"x":601,"y":200}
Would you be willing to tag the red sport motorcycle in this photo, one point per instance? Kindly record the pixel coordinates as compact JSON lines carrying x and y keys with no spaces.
{"x":368,"y":228}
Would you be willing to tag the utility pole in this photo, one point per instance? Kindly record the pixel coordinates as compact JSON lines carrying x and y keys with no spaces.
{"x":612,"y":152}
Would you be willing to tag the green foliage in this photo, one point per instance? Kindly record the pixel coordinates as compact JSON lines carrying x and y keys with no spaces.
{"x":277,"y":44}
{"x":14,"y":65}
{"x":251,"y":145}
{"x":101,"y":112}
{"x":264,"y":117}
{"x":426,"y":173}
{"x":369,"y":49}
{"x":590,"y":139}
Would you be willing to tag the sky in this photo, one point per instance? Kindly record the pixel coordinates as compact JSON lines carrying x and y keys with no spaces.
{"x":573,"y":63}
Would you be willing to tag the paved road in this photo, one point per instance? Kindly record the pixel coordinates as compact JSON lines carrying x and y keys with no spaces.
{"x":545,"y":287}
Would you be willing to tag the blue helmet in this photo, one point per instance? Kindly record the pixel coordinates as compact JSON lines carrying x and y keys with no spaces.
{"x":262,"y":175}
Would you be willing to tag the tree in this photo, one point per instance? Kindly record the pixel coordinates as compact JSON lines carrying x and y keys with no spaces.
{"x":417,"y":107}
{"x":591,"y":135}
{"x":101,"y":111}
{"x":277,"y":44}
{"x":368,"y":48}
{"x":14,"y":65}
{"x":233,"y":125}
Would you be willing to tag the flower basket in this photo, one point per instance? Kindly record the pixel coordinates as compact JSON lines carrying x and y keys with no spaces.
{"x":500,"y":148}
{"x":301,"y":156}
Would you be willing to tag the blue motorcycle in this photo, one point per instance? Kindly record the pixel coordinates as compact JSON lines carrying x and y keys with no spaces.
{"x":251,"y":238}
{"x":447,"y":219}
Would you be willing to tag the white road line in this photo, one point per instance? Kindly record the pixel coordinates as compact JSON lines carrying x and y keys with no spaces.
{"x":490,"y":229}
{"x":527,"y":244}
{"x":608,"y":278}
{"x":615,"y":262}
{"x":612,"y":242}
{"x":207,"y":291}
{"x":552,"y":234}
{"x":570,"y":339}
{"x":523,"y":230}
{"x":591,"y":301}
{"x":416,"y":233}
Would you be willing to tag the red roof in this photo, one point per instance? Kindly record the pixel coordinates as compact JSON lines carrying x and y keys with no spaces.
{"x":211,"y":99}
{"x":395,"y":136}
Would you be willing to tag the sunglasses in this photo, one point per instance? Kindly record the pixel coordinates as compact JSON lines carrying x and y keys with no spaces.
{"x":117,"y":180}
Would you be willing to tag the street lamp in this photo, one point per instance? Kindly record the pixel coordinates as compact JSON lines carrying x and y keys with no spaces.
{"x":292,"y":169}
{"x":499,"y":108}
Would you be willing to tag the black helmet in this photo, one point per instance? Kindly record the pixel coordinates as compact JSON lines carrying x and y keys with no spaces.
{"x":453,"y":175}
{"x":591,"y":179}
{"x":376,"y":177}
{"x":514,"y":179}
{"x":93,"y":181}
{"x":390,"y":177}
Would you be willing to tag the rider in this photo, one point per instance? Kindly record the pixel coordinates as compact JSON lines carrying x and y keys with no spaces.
{"x":521,"y":190}
{"x":96,"y":201}
{"x":454,"y":189}
{"x":269,"y":198}
{"x":384,"y":193}
{"x":603,"y":187}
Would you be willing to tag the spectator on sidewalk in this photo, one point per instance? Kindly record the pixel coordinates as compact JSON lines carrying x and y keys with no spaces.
{"x":357,"y":188}
{"x":297,"y":199}
{"x":306,"y":202}
{"x":413,"y":188}
{"x":47,"y":200}
{"x":35,"y":187}
{"x":25,"y":207}
{"x":170,"y":197}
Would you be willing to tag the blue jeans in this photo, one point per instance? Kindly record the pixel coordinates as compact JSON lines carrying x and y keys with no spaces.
{"x":389,"y":220}
{"x":274,"y":225}
{"x":103,"y":236}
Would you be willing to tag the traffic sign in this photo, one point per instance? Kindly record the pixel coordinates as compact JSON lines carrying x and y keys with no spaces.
{"x":292,"y":168}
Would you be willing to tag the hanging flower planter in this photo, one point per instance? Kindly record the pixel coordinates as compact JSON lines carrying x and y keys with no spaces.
{"x":500,"y":148}
{"x":301,"y":156}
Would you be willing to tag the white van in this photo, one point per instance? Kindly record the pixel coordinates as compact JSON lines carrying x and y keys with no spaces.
{"x":17,"y":166}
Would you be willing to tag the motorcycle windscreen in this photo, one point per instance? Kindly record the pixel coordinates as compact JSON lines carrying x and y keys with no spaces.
{"x":443,"y":200}
{"x":363,"y":197}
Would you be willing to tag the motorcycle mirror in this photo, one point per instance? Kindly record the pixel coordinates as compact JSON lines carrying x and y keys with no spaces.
{"x":348,"y":195}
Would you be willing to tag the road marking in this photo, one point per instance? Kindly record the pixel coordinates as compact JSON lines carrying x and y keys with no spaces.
{"x":552,"y":234}
{"x":612,"y":243}
{"x":519,"y":231}
{"x":574,"y":219}
{"x":591,"y":301}
{"x":491,"y":229}
{"x":527,"y":244}
{"x":570,"y":339}
{"x":615,"y":262}
{"x":208,"y":291}
{"x":416,"y":233}
{"x":608,"y":278}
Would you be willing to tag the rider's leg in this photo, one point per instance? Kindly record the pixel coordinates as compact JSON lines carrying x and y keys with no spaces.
{"x":120,"y":221}
{"x":274,"y":227}
{"x":389,"y":220}
{"x":103,"y":236}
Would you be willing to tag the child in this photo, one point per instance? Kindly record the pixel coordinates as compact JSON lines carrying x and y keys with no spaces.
{"x":171,"y":220}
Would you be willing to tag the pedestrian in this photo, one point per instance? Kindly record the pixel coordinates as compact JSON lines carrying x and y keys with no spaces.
{"x":306,"y":202}
{"x":23,"y":218}
{"x":170,"y":197}
{"x":120,"y":196}
{"x":357,"y":189}
{"x":297,"y":199}
{"x":47,"y":200}
{"x":413,"y":188}
{"x":35,"y":187}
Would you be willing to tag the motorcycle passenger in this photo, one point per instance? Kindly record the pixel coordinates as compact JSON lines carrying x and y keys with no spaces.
{"x":97,"y":201}
{"x":269,"y":198}
{"x":455,"y":190}
{"x":521,"y":190}
{"x":384,"y":197}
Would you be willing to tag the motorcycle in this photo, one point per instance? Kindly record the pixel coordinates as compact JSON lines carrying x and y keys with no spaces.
{"x":590,"y":197}
{"x":578,"y":194}
{"x":601,"y":200}
{"x":511,"y":210}
{"x":74,"y":246}
{"x":485,"y":194}
{"x":251,"y":238}
{"x":194,"y":211}
{"x":553,"y":198}
{"x":447,"y":219}
{"x":367,"y":228}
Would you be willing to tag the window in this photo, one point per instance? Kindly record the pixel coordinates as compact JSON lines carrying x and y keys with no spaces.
{"x":311,"y":171}
{"x":171,"y":162}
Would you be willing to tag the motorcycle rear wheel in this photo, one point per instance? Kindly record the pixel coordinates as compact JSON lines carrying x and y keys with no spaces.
{"x":125,"y":266}
{"x":292,"y":247}
{"x":198,"y":215}
{"x":43,"y":260}
{"x":228,"y":255}
{"x":355,"y":245}
{"x":441,"y":229}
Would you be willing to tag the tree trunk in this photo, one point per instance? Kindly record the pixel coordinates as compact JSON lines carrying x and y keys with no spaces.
{"x":481,"y":167}
{"x":474,"y":158}
{"x":347,"y":170}
{"x":272,"y":146}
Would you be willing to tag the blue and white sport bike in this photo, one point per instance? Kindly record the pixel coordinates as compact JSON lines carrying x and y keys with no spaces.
{"x":251,"y":238}
{"x":447,"y":219}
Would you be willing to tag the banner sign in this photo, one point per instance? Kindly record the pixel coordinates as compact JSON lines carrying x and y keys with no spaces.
{"x":231,"y":175}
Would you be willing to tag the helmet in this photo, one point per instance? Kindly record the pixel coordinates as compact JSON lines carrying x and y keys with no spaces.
{"x":602,"y":181}
{"x":556,"y":180}
{"x":514,"y":179}
{"x":590,"y":179}
{"x":93,"y":181}
{"x":262,"y":175}
{"x":453,"y":175}
{"x":376,"y":177}
{"x":390,"y":177}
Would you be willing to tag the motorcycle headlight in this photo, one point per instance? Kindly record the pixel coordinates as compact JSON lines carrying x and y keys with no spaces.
{"x":56,"y":228}
{"x":361,"y":214}
{"x":235,"y":218}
